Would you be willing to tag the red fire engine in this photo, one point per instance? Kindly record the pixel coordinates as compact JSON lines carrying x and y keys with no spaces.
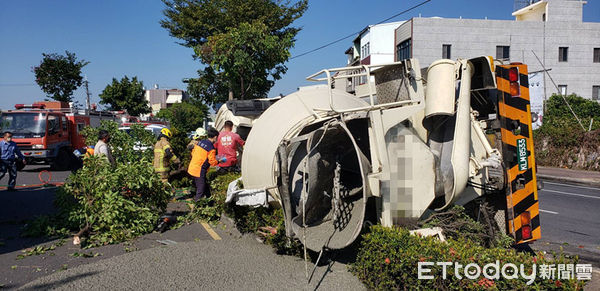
{"x":49,"y":131}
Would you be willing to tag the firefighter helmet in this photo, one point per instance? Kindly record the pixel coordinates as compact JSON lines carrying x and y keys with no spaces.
{"x":166,"y":132}
{"x":199,"y":133}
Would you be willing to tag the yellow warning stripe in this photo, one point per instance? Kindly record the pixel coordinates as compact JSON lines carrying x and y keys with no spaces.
{"x":521,"y":194}
{"x":211,"y":231}
{"x":509,"y":138}
{"x":514,"y":171}
{"x":511,"y":112}
{"x":533,"y":212}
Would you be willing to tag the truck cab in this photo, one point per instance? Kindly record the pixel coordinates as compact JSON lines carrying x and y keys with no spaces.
{"x":39,"y":135}
{"x":47,"y":132}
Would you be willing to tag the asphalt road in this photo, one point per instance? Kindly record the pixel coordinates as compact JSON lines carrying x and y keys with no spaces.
{"x":16,"y":208}
{"x":195,"y":256}
{"x":570,"y":217}
{"x":30,"y":175}
{"x":231,"y":264}
{"x":195,"y":260}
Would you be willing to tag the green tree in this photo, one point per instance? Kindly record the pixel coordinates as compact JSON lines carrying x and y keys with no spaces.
{"x":58,"y":76}
{"x":208,"y":87}
{"x":248,"y":55}
{"x":126,"y":94}
{"x":185,"y":116}
{"x":244,"y":43}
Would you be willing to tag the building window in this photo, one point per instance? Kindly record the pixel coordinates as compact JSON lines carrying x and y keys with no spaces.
{"x":597,"y":55}
{"x":595,"y":92}
{"x":364,"y":51}
{"x":562,"y":89}
{"x":502,"y":52}
{"x":446,"y":51}
{"x":403,"y":50}
{"x":563,"y":54}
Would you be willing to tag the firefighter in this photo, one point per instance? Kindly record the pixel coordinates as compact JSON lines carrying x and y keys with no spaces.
{"x":163,"y":155}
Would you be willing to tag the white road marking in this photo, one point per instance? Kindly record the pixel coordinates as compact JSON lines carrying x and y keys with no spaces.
{"x":569,"y":185}
{"x":571,"y":194}
{"x":548,"y":211}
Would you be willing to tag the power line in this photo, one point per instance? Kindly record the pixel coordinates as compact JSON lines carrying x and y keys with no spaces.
{"x":17,"y":85}
{"x":355,"y":33}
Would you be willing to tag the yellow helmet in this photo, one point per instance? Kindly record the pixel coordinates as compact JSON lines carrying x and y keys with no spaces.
{"x":166,"y":132}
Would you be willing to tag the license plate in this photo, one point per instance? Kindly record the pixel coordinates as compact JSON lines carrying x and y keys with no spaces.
{"x":522,"y":154}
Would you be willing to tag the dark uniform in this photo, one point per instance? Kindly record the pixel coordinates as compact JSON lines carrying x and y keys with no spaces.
{"x":9,"y":150}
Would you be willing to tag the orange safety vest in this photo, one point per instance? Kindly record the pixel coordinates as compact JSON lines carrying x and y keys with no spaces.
{"x":203,"y":156}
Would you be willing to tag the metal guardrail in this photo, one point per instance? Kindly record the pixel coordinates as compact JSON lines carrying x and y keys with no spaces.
{"x":365,"y":70}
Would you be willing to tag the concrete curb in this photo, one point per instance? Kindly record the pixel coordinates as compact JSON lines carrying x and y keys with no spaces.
{"x":581,"y":181}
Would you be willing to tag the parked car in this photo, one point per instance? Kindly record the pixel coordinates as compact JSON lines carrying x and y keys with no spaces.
{"x":153,"y":128}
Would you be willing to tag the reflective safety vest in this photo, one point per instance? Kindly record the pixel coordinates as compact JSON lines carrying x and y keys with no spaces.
{"x":163,"y":156}
{"x":203,"y":156}
{"x":89,"y":152}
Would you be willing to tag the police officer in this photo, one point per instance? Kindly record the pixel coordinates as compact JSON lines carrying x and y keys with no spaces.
{"x":163,"y":155}
{"x":9,"y":151}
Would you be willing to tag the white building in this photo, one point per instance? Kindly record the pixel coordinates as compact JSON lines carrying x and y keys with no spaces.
{"x":372,"y":46}
{"x":552,"y":30}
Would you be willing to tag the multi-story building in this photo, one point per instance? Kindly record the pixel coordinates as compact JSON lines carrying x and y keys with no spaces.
{"x":163,"y":98}
{"x":547,"y":35}
{"x":372,"y":46}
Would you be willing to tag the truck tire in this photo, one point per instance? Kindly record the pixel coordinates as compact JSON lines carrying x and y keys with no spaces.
{"x":62,"y":161}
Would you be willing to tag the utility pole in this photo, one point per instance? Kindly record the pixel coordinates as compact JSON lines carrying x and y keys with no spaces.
{"x":87,"y":94}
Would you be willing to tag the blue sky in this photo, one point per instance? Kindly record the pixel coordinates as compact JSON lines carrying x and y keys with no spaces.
{"x":124,"y":38}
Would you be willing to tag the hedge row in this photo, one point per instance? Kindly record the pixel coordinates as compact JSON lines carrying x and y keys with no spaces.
{"x":388,"y":258}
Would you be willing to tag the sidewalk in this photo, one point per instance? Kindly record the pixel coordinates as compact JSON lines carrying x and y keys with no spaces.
{"x":570,"y":176}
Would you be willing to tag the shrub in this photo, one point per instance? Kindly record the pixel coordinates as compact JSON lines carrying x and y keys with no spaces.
{"x":388,"y":259}
{"x":125,"y":146}
{"x":118,"y":203}
{"x":210,"y":209}
{"x":113,"y":203}
{"x":246,"y":219}
{"x":584,"y":108}
{"x":280,"y":242}
{"x":250,"y":220}
{"x":560,"y":125}
{"x":456,"y":224}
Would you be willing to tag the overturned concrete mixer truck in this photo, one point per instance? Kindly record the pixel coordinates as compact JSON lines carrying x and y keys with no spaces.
{"x":418,"y":142}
